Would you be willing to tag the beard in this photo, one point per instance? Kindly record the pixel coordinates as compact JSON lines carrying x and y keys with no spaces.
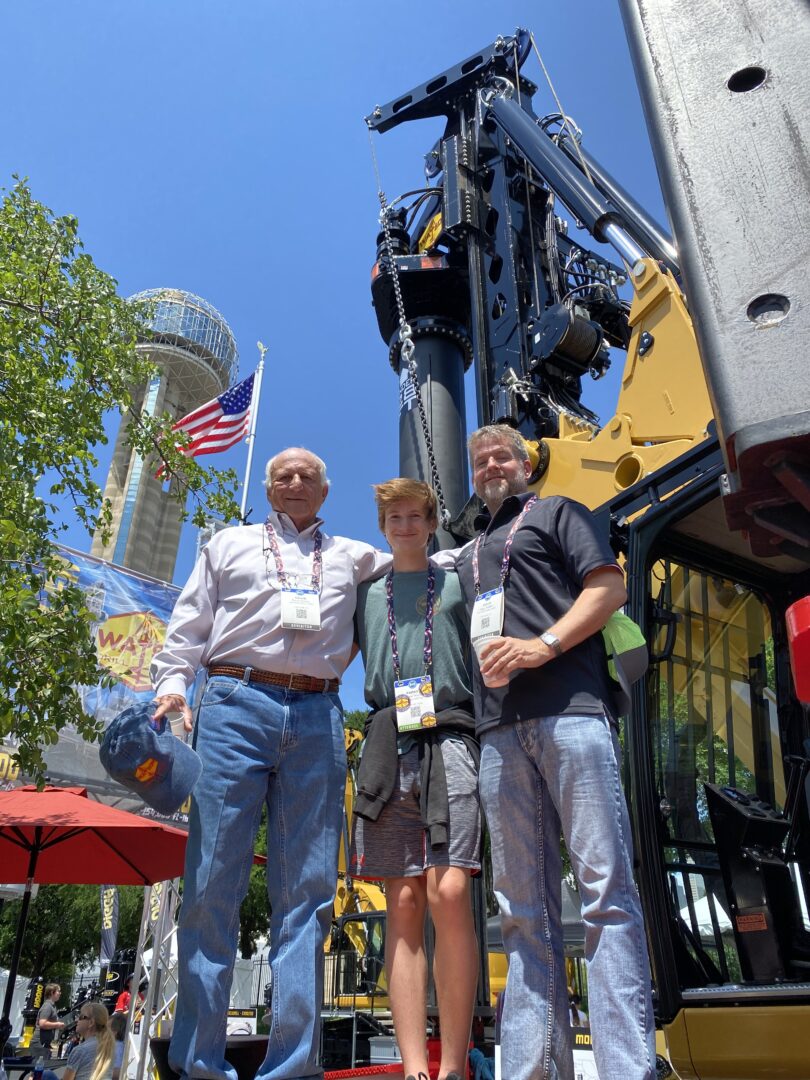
{"x":494,"y":491}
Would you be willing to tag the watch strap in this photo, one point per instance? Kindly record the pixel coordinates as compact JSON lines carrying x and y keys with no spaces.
{"x":552,"y":641}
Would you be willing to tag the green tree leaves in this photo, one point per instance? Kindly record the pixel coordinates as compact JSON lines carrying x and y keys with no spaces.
{"x":64,"y":928}
{"x":67,"y":357}
{"x":254,"y":914}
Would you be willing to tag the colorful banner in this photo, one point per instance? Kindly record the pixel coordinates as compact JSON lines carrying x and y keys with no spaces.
{"x":109,"y":923}
{"x":130,"y":616}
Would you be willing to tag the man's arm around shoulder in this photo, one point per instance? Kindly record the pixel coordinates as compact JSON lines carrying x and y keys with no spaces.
{"x":370,"y":563}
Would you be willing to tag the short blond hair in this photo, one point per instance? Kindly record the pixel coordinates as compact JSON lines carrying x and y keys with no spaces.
{"x":402,"y":487}
{"x":51,"y":989}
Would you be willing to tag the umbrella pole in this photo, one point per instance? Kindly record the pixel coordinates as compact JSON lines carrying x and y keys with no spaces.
{"x":5,"y":1022}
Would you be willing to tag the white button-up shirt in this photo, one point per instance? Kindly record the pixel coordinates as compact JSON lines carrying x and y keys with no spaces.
{"x":230,"y":609}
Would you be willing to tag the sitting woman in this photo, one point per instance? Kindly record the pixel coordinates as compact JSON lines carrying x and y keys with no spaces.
{"x":92,"y":1059}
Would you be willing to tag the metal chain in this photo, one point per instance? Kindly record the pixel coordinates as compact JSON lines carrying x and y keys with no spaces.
{"x":408,"y":348}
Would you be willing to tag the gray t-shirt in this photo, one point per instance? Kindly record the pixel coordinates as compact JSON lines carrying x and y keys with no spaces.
{"x":557,"y":545}
{"x":47,"y":1012}
{"x":82,"y":1057}
{"x":452,"y":684}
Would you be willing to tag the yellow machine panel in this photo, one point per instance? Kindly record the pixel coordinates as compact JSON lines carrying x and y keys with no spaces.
{"x":744,"y":1043}
{"x":663,"y":407}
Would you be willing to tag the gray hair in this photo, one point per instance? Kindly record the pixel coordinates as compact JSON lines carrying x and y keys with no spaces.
{"x":268,"y":470}
{"x":503,"y":434}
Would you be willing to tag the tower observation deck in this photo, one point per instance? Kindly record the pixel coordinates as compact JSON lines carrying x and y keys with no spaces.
{"x":195,"y":352}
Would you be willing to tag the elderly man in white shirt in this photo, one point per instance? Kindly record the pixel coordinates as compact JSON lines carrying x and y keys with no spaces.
{"x":268,"y":610}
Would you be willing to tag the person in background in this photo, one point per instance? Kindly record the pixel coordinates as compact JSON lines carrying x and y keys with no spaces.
{"x":118,"y":1026}
{"x":579,"y":1018}
{"x":48,"y":1022}
{"x":417,"y":821}
{"x":93,"y":1058}
{"x":124,"y":998}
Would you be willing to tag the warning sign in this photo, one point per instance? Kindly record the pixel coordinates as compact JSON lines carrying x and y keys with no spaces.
{"x":748,"y":924}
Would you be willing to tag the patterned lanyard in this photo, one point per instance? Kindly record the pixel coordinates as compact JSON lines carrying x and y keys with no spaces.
{"x":317,"y":561}
{"x":427,"y":655}
{"x":507,"y":548}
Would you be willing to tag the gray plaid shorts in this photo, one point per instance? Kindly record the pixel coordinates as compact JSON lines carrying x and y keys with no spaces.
{"x":396,"y":844}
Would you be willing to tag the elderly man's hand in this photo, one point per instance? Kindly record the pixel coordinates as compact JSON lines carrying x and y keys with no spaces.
{"x":169,"y":703}
{"x":503,"y":655}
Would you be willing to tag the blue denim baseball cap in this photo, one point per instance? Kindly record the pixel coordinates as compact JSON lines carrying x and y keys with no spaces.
{"x":147,"y":759}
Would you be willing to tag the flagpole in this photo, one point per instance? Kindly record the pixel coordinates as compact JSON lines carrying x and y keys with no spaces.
{"x":251,"y":439}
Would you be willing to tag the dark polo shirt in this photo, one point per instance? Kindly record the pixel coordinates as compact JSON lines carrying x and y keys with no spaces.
{"x":555,"y":548}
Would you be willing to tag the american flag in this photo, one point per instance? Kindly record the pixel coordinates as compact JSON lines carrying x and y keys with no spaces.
{"x":218,"y":424}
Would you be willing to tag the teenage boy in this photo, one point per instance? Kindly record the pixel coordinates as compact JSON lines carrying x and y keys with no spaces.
{"x":48,"y":1020}
{"x":417,"y":821}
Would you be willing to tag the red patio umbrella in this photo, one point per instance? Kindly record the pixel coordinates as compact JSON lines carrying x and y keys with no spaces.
{"x":58,"y":836}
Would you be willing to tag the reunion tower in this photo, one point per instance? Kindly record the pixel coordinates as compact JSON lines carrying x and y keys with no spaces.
{"x":194,"y":349}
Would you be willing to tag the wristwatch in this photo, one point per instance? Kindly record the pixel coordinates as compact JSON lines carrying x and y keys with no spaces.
{"x":552,"y":641}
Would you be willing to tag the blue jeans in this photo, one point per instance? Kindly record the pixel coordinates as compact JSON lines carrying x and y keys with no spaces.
{"x":535,"y":775}
{"x":260,"y":744}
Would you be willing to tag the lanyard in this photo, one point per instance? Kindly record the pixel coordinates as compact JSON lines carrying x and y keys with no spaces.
{"x":507,"y":548}
{"x":392,"y":623}
{"x":317,"y":561}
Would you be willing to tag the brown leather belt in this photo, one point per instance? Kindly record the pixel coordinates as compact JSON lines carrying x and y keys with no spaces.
{"x":304,"y":683}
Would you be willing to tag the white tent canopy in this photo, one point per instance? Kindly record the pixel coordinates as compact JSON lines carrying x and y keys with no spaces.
{"x":17,"y":1001}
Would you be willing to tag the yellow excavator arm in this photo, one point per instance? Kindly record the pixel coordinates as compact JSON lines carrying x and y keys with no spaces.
{"x":663,"y":408}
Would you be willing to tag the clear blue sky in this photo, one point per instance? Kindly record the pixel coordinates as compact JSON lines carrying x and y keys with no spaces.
{"x":219,"y":147}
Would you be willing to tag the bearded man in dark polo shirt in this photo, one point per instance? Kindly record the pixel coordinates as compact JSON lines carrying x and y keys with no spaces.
{"x":541,"y":583}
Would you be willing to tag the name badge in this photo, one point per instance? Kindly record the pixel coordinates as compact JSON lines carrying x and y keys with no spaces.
{"x":300,"y":609}
{"x":292,"y":583}
{"x":414,"y":702}
{"x":487,"y":617}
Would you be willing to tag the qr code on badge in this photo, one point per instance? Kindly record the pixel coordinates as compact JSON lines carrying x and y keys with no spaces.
{"x":485,"y":622}
{"x":300,"y":613}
